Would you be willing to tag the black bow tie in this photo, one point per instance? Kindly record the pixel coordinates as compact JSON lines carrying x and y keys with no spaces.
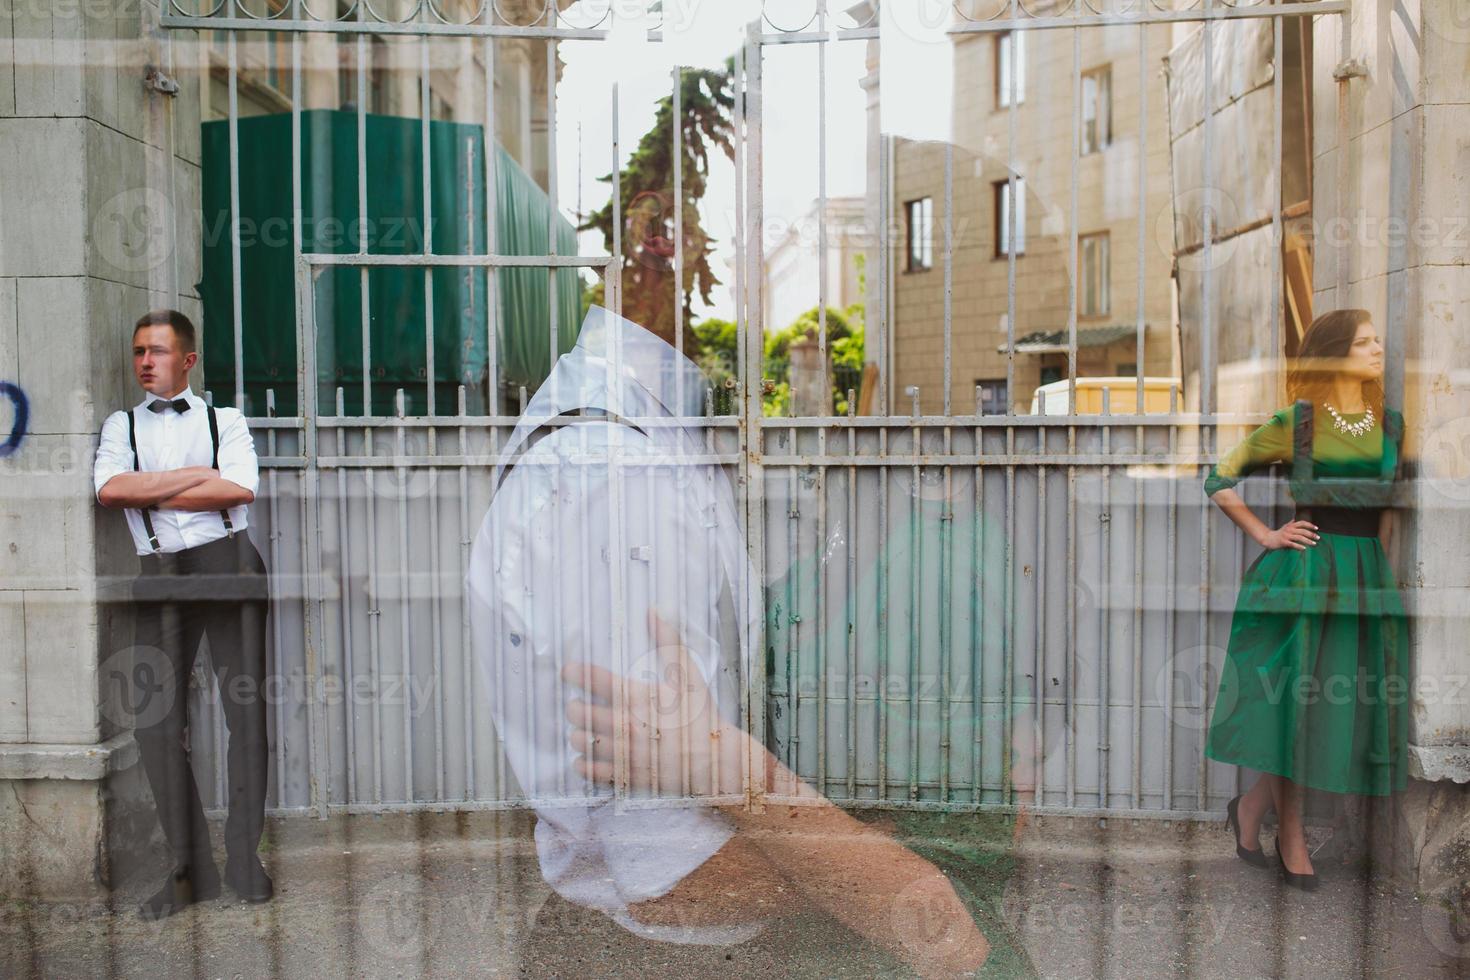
{"x":161,"y":405}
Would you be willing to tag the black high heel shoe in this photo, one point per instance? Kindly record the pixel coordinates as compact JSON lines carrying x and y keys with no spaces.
{"x":1255,"y":858}
{"x":1306,"y":883}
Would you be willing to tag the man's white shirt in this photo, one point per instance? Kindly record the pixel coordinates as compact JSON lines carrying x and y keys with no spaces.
{"x":606,"y":518}
{"x":170,"y":440}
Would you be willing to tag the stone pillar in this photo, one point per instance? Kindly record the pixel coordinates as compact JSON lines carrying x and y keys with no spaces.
{"x":100,"y":223}
{"x":1396,"y":214}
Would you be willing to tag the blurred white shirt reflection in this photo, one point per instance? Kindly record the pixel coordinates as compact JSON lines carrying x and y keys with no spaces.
{"x":607,"y":508}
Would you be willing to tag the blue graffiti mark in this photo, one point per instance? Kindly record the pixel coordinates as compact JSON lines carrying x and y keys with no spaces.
{"x":22,"y":416}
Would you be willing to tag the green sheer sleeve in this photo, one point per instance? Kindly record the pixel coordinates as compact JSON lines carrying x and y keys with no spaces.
{"x":1271,"y":443}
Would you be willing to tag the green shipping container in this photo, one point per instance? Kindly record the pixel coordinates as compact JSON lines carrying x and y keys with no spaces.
{"x":397,"y":308}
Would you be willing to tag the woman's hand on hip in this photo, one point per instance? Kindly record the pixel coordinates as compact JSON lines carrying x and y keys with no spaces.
{"x":1293,"y":534}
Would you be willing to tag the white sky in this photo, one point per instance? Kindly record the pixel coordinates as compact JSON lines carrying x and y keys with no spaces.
{"x":916,"y":96}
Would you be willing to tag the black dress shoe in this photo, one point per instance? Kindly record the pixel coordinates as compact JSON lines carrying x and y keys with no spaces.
{"x":247,"y":878}
{"x":182,"y":889}
{"x":1306,"y":883}
{"x":1254,"y":858}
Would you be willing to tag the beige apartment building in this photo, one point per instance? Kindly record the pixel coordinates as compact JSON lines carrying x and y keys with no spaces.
{"x":1105,"y":266}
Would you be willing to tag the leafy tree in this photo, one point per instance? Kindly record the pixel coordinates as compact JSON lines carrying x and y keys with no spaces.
{"x":646,"y":187}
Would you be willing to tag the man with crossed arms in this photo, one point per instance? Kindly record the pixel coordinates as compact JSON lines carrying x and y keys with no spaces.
{"x":184,"y":473}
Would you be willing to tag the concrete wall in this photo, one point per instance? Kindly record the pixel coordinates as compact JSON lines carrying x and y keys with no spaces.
{"x":1402,"y":190}
{"x":98,"y":223}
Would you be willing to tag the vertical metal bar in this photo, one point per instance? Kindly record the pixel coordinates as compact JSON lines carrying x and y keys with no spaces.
{"x":750,"y":388}
{"x":885,"y":357}
{"x":678,"y":167}
{"x":1207,"y":326}
{"x":426,"y":157}
{"x":822,"y":222}
{"x":492,"y":152}
{"x":1038,"y":692}
{"x":1344,"y":142}
{"x":1171,"y":594}
{"x":979,"y":568}
{"x":916,"y":547}
{"x":552,"y":213}
{"x":1070,"y":714}
{"x":1139,"y":340}
{"x":1075,"y":259}
{"x":1105,"y":615}
{"x":885,"y":548}
{"x":363,"y":234}
{"x":712,"y":548}
{"x":946,"y":626}
{"x":308,"y":389}
{"x":850,"y":603}
{"x":1207,"y":369}
{"x":436,"y":622}
{"x":1009,"y":634}
{"x":1140,"y":370}
{"x":1139,"y":487}
{"x":793,"y":619}
{"x":948,"y":284}
{"x":275,"y":551}
{"x":1204,"y":625}
{"x":1011,"y":230}
{"x":375,"y":612}
{"x":466,"y":640}
{"x":614,"y":283}
{"x":819,"y":646}
{"x":405,"y":601}
{"x":344,"y":550}
{"x":236,"y":305}
{"x":1277,"y":190}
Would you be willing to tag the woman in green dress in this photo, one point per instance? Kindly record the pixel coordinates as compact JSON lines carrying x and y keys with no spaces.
{"x":1315,"y":692}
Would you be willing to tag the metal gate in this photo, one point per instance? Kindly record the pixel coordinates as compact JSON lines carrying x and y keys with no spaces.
{"x":959,"y":607}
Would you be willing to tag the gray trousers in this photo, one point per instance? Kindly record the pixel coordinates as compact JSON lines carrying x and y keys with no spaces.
{"x":217,"y":591}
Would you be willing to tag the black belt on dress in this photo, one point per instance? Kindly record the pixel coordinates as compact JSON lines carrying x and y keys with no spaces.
{"x":1358,"y":522}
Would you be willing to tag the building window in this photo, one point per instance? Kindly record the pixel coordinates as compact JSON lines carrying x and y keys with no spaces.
{"x":994,"y":399}
{"x":1097,"y":109}
{"x":1010,"y":47}
{"x":1004,"y":240}
{"x":920,"y":215}
{"x":1094,"y":263}
{"x":1128,"y":369}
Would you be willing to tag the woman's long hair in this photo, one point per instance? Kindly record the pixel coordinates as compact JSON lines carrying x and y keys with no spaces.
{"x":1317,"y":364}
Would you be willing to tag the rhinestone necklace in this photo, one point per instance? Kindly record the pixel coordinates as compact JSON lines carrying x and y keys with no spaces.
{"x":1358,"y":428}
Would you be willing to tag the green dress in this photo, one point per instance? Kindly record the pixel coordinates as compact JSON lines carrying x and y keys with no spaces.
{"x":1315,"y":683}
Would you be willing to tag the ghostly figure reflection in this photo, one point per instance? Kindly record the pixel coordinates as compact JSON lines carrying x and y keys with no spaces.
{"x":610,"y":606}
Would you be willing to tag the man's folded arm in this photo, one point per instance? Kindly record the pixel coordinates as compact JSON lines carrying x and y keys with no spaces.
{"x":215,"y":493}
{"x":152,"y":489}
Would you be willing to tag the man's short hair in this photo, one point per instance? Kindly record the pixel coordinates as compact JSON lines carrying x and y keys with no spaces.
{"x":183,"y":326}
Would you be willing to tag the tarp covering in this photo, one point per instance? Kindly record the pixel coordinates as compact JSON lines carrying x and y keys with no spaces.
{"x":396,"y":296}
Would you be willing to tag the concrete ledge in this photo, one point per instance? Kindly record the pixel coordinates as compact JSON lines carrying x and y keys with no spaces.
{"x":69,"y":762}
{"x":1440,"y":763}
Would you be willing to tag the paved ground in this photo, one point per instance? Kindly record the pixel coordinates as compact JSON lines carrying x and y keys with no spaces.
{"x":460,"y":895}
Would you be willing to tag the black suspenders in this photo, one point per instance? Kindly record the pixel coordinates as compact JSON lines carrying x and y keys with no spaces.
{"x":224,"y":515}
{"x":214,"y":464}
